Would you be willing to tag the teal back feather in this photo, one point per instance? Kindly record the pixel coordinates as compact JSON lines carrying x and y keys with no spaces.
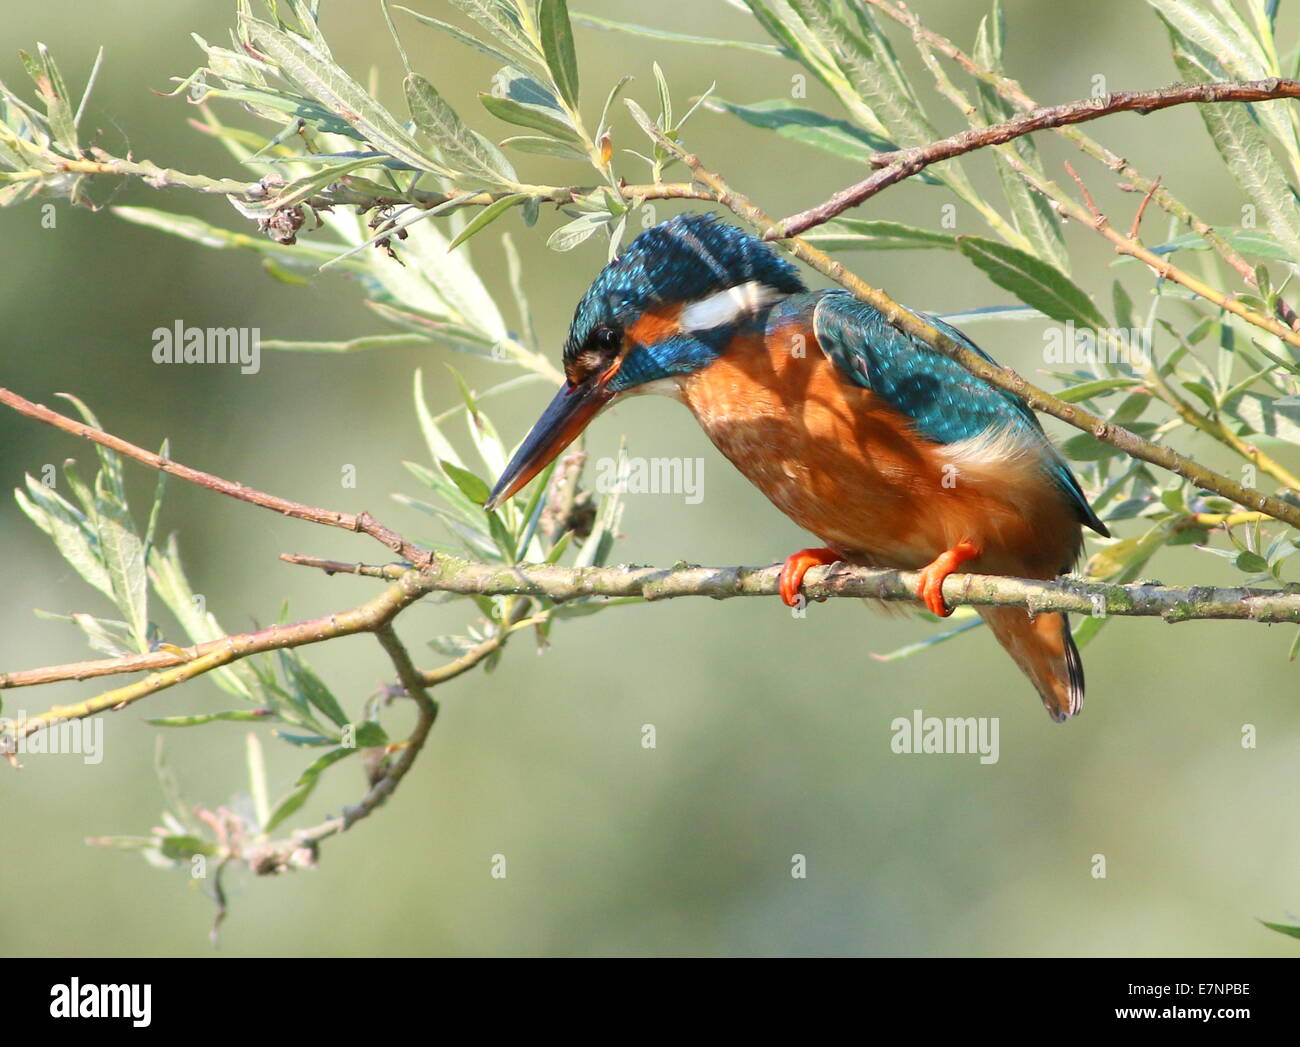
{"x":945,"y":402}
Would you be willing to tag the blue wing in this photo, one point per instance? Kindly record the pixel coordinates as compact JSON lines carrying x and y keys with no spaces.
{"x":944,"y":400}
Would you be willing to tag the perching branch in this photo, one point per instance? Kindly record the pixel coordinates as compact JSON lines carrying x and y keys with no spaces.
{"x":562,"y":584}
{"x":435,"y":573}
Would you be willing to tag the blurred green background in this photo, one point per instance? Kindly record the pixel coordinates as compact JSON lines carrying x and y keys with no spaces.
{"x":773,"y":734}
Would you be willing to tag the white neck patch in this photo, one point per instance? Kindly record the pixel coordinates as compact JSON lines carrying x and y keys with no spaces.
{"x":727,"y":306}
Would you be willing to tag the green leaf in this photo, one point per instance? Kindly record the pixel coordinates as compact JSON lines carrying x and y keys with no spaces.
{"x":1277,"y":416}
{"x":317,"y":73}
{"x":1225,"y":48}
{"x":468,"y":39}
{"x":545,"y":147}
{"x":370,"y":734}
{"x":352,"y":345}
{"x":907,"y":650}
{"x":453,"y":646}
{"x":306,"y":784}
{"x":1200,"y":27}
{"x":481,"y":430}
{"x":1087,"y":390}
{"x":1282,"y":928}
{"x":853,"y":234}
{"x":863,"y":56}
{"x":570,"y":235}
{"x":1036,"y":283}
{"x":463,"y":148}
{"x":71,"y":532}
{"x":183,"y":848}
{"x":1251,"y":563}
{"x":1249,"y":242}
{"x":155,"y":511}
{"x":614,"y":92}
{"x":305,"y":684}
{"x":110,"y":472}
{"x":1244,"y":148}
{"x":593,"y":606}
{"x":123,"y":554}
{"x":504,"y":540}
{"x":486,"y":217}
{"x":809,"y":127}
{"x":557,"y":46}
{"x":198,"y":719}
{"x":208,"y":235}
{"x":1123,"y":306}
{"x":109,"y":637}
{"x":500,"y":19}
{"x":604,"y":530}
{"x":519,"y":99}
{"x":1084,"y":447}
{"x":54,"y":93}
{"x":534,"y":117}
{"x":169,"y":582}
{"x":307,"y":741}
{"x":595,"y":22}
{"x":1031,"y":211}
{"x":473,"y":488}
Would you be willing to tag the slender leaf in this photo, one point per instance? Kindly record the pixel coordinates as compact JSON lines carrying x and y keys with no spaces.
{"x":1035,"y":282}
{"x":557,"y":46}
{"x":596,"y":22}
{"x":463,"y":148}
{"x":853,"y":234}
{"x":306,"y":784}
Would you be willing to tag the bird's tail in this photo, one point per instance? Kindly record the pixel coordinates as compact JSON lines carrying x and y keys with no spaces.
{"x":1045,"y":652}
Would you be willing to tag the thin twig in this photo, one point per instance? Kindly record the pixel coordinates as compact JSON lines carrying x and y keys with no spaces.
{"x":902,"y":164}
{"x":368,"y":617}
{"x":1142,"y":208}
{"x":342,"y":193}
{"x":905,"y":163}
{"x":276,"y":856}
{"x":359,"y":522}
{"x":1076,"y":597}
{"x":1015,"y":94}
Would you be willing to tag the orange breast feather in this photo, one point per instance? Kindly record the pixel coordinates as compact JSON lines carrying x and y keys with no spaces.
{"x":846,"y":466}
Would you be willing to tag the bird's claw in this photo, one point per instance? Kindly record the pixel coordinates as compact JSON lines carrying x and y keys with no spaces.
{"x":796,"y":566}
{"x":933,"y":574}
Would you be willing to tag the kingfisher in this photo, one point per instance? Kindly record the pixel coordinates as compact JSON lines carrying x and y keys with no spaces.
{"x":890,"y":453}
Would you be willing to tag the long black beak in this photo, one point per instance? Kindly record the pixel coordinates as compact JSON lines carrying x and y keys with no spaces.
{"x":567,"y":416}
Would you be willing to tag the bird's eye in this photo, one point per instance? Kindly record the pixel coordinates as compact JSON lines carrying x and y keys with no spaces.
{"x":606,"y":338}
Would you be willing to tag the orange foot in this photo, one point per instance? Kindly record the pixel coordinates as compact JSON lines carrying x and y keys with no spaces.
{"x":796,"y":566}
{"x":932,"y":575}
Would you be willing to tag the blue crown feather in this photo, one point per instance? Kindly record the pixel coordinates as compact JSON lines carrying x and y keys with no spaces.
{"x":684,"y":259}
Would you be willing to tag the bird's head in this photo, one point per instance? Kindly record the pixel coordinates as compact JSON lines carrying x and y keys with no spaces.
{"x":668,"y":305}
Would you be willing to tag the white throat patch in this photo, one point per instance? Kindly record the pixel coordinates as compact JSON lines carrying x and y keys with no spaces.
{"x":727,"y":306}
